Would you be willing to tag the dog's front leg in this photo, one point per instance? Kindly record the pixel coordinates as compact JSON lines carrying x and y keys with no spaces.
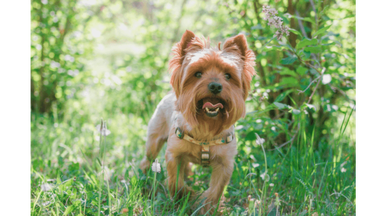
{"x":221,"y":174}
{"x":176,"y":166}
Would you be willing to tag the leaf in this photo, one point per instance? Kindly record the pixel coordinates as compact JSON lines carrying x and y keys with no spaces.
{"x":314,"y":49}
{"x":280,"y":105}
{"x":289,"y":81}
{"x":258,"y":26}
{"x":283,"y":95}
{"x":287,"y":71}
{"x":322,"y":30}
{"x":310,"y":106}
{"x":295,"y":32}
{"x":69,"y":209}
{"x":309,"y":20}
{"x":301,"y":70}
{"x":314,"y":72}
{"x":288,"y":60}
{"x":251,"y":136}
{"x":306,"y":42}
{"x":99,"y":161}
{"x":306,"y":54}
{"x":296,"y":111}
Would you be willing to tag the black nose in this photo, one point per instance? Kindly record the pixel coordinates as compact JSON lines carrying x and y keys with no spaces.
{"x":215,"y":87}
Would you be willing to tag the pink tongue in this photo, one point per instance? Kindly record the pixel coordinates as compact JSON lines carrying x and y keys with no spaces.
{"x":210,"y":105}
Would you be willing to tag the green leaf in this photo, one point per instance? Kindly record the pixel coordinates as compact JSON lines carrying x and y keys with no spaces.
{"x":258,"y":26}
{"x":295,"y":32}
{"x":306,"y":42}
{"x":251,"y":136}
{"x":280,"y":105}
{"x":283,"y":95}
{"x":322,"y":30}
{"x":99,"y":161}
{"x":288,"y":60}
{"x":287,"y":71}
{"x":306,"y":54}
{"x":309,"y":20}
{"x":69,"y":209}
{"x":289,"y":81}
{"x":314,"y":49}
{"x":301,"y":70}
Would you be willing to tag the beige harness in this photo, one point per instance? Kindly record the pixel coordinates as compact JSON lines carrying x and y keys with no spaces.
{"x":204,"y":144}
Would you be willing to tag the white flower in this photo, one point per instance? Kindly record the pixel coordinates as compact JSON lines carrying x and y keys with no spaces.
{"x":326,"y":78}
{"x":46,"y":187}
{"x":343,"y":170}
{"x":271,"y":185}
{"x":265,"y":176}
{"x":255,"y":165}
{"x":104,"y":130}
{"x":46,"y":203}
{"x":106,"y":172}
{"x":260,"y":141}
{"x":156,"y":167}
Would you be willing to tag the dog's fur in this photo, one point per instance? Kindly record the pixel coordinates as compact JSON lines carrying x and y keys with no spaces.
{"x":184,"y":105}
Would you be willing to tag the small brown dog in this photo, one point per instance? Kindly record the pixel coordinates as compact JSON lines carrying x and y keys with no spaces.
{"x":210,"y":88}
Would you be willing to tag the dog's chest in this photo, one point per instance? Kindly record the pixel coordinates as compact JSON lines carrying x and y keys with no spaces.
{"x":193,"y":153}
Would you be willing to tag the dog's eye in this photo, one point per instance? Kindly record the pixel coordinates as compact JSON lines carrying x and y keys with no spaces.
{"x":198,"y":74}
{"x":227,"y":76}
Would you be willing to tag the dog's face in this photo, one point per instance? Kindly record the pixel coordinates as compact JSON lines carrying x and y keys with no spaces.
{"x":211,"y":84}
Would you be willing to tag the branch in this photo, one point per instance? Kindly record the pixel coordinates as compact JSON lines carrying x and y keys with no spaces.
{"x":300,"y":91}
{"x":301,"y":24}
{"x":316,"y":15}
{"x":289,"y":141}
{"x":309,"y":100}
{"x":305,"y":63}
{"x":262,"y":48}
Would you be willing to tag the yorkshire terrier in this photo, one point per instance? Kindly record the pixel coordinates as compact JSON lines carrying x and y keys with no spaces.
{"x":197,"y":119}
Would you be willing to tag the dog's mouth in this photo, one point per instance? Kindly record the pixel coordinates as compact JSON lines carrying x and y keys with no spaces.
{"x":211,"y":106}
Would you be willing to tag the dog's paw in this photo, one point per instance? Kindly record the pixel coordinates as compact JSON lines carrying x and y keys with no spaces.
{"x":144,"y":166}
{"x":209,"y":205}
{"x":182,"y":194}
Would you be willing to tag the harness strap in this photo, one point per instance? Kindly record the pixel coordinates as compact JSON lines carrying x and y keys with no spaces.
{"x":205,"y":145}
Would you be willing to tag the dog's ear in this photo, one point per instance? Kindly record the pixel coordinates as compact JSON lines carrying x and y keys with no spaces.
{"x":238,"y":44}
{"x":179,"y":52}
{"x":186,"y":41}
{"x":239,"y":41}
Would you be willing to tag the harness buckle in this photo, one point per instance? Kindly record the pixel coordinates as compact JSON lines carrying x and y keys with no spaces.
{"x":229,"y":138}
{"x":205,"y":157}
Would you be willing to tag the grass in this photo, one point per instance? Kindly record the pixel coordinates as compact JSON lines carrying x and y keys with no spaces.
{"x":76,"y":171}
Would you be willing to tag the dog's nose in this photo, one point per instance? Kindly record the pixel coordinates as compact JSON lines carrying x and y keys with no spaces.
{"x":215,"y":87}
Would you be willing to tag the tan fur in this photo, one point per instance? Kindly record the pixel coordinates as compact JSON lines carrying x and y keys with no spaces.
{"x":193,"y":54}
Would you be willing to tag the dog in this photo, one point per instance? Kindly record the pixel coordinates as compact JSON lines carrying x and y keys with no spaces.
{"x":197,"y":119}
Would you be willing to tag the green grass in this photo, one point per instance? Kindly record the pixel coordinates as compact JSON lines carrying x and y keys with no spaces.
{"x":67,"y":155}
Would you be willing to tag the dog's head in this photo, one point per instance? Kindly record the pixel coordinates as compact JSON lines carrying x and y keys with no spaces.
{"x":211,"y":84}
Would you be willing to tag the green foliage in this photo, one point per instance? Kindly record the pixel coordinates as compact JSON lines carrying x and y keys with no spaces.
{"x":93,"y":59}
